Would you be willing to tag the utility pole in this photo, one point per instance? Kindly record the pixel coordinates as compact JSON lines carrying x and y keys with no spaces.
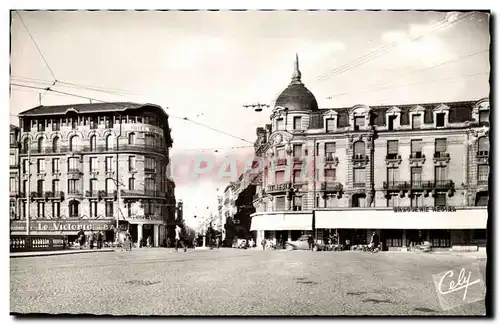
{"x":28,"y":203}
{"x":257,"y":107}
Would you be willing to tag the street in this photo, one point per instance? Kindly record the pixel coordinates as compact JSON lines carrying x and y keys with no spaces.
{"x":234,"y":282}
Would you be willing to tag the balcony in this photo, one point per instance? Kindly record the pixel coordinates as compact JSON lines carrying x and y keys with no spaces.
{"x":331,"y":187}
{"x":441,"y":157}
{"x":149,"y":170}
{"x":331,"y":159}
{"x":393,"y":159}
{"x":396,"y":186}
{"x":75,"y":193}
{"x":107,"y":194}
{"x":417,"y":159}
{"x":359,"y":184}
{"x":360,"y":160}
{"x":92,"y":194}
{"x":147,"y":148}
{"x":278,"y":187}
{"x":482,"y":182}
{"x":141,"y":194}
{"x":483,"y":157}
{"x":37,"y":195}
{"x":74,"y":173}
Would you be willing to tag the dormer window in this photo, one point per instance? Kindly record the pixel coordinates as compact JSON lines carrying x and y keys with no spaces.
{"x":280,"y":124}
{"x":441,"y":116}
{"x":359,"y":121}
{"x":440,"y":119}
{"x":297,"y":123}
{"x":330,"y":125}
{"x":390,"y":122}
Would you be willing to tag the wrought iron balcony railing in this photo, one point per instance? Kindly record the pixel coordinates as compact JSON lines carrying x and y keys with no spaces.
{"x":142,"y":193}
{"x":359,"y":184}
{"x":441,"y":154}
{"x":483,"y":154}
{"x":331,"y":187}
{"x":97,"y":149}
{"x":396,"y":185}
{"x":360,"y":158}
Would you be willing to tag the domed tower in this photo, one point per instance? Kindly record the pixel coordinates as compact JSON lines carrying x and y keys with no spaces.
{"x":296,"y":97}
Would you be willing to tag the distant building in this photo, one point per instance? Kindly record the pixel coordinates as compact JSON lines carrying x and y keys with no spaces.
{"x":365,"y":162}
{"x":14,"y":172}
{"x":89,"y":165}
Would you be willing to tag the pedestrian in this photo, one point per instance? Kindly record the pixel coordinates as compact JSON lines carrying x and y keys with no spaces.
{"x":99,"y":240}
{"x":263,"y":243}
{"x":148,"y":241}
{"x":81,"y":238}
{"x":91,"y":239}
{"x":374,"y":241}
{"x":179,"y":239}
{"x":310,"y":240}
{"x":217,"y":241}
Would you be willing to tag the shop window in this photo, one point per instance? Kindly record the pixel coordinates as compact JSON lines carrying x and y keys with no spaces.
{"x":439,"y":238}
{"x":417,"y":200}
{"x":482,"y":199}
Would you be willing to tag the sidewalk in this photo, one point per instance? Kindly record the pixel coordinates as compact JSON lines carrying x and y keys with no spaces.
{"x":61,"y":252}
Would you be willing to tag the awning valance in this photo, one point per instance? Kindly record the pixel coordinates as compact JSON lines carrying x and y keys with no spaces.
{"x":389,"y":219}
{"x":282,"y":221}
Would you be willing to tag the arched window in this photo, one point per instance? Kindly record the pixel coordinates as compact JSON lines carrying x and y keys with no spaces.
{"x":74,"y":209}
{"x":26,"y":145}
{"x":109,"y":142}
{"x":55,"y":144}
{"x":359,"y":148}
{"x":483,"y":144}
{"x":73,"y":143}
{"x":93,"y":142}
{"x":40,"y":144}
{"x":131,"y":138}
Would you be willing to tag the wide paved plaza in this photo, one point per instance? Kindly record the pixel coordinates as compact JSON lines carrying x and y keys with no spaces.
{"x":234,"y":282}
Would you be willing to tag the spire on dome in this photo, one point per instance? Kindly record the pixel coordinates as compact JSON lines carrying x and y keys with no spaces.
{"x":296,"y":72}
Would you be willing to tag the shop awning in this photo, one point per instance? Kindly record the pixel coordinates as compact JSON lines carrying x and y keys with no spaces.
{"x":281,"y":221}
{"x":389,"y":219}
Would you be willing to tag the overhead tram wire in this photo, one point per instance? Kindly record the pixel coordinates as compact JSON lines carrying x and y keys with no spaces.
{"x":380,"y":51}
{"x":384,"y":82}
{"x":102,"y":101}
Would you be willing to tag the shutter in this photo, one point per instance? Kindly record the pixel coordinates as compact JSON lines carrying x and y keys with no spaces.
{"x":392,"y":146}
{"x":296,"y":176}
{"x":416,"y":146}
{"x":359,"y":148}
{"x":415,"y":121}
{"x":483,"y":144}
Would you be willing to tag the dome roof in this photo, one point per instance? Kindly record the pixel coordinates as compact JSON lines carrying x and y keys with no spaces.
{"x":296,"y":97}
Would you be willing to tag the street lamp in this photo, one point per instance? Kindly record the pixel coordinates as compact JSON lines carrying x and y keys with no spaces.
{"x":257,"y":107}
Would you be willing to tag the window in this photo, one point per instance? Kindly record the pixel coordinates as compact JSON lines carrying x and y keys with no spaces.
{"x":26,"y":145}
{"x":55,"y":144}
{"x":392,"y":176}
{"x":40,"y":165}
{"x":74,"y":123}
{"x":93,"y":209}
{"x":74,"y":186}
{"x":329,"y":150}
{"x":55,"y":165}
{"x":73,"y":143}
{"x":440,"y":119}
{"x":109,"y":122}
{"x":149,"y":164}
{"x":392,"y":149}
{"x":482,"y":199}
{"x":280,"y":203}
{"x":359,"y":149}
{"x":417,"y":200}
{"x":55,"y":186}
{"x":359,"y":200}
{"x":330,"y":124}
{"x":93,"y":123}
{"x":484,"y":117}
{"x":416,"y":148}
{"x":93,"y":185}
{"x":416,"y":175}
{"x":330,"y":175}
{"x":109,"y":142}
{"x":149,"y":184}
{"x":280,"y":124}
{"x":440,"y":147}
{"x":280,"y":152}
{"x":359,"y":175}
{"x":40,"y":186}
{"x":25,"y":166}
{"x":297,"y":176}
{"x":131,"y":138}
{"x":25,"y":187}
{"x":23,"y":209}
{"x":41,"y":144}
{"x":440,"y":200}
{"x":26,"y":125}
{"x":440,"y":173}
{"x":415,"y":121}
{"x":73,"y":164}
{"x":359,"y":121}
{"x":93,"y":143}
{"x":41,"y":126}
{"x":41,"y":210}
{"x":110,"y":185}
{"x":93,"y":164}
{"x":297,"y":150}
{"x":131,"y":183}
{"x":149,"y":140}
{"x":390,"y":122}
{"x":74,"y":209}
{"x":297,"y":203}
{"x":131,"y":163}
{"x":12,"y":184}
{"x":483,"y":145}
{"x":280,"y":177}
{"x":393,"y":200}
{"x":297,"y":123}
{"x":56,"y":125}
{"x":56,"y":209}
{"x":109,"y":164}
{"x":482,"y":174}
{"x":12,"y":160}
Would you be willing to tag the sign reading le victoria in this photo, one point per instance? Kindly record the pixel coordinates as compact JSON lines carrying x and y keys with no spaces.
{"x":68,"y":225}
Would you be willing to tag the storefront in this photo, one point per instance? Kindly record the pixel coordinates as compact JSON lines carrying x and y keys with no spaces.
{"x":69,"y":228}
{"x":456,"y":228}
{"x":280,"y":226}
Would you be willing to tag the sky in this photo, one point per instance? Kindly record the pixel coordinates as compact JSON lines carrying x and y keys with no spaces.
{"x":207,"y":65}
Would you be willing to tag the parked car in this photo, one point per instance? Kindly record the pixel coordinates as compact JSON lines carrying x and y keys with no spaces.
{"x":303,"y":244}
{"x":240,"y":243}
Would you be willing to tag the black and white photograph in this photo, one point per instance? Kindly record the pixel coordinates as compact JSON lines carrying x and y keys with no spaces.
{"x":250,"y":162}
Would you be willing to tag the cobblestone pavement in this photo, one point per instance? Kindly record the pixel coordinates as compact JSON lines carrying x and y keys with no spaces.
{"x":233,"y":282}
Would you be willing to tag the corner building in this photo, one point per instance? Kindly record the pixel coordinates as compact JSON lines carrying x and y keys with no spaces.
{"x":85,"y":166}
{"x":367,"y":164}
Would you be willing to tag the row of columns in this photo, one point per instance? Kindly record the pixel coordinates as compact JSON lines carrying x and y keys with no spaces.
{"x":156,"y":235}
